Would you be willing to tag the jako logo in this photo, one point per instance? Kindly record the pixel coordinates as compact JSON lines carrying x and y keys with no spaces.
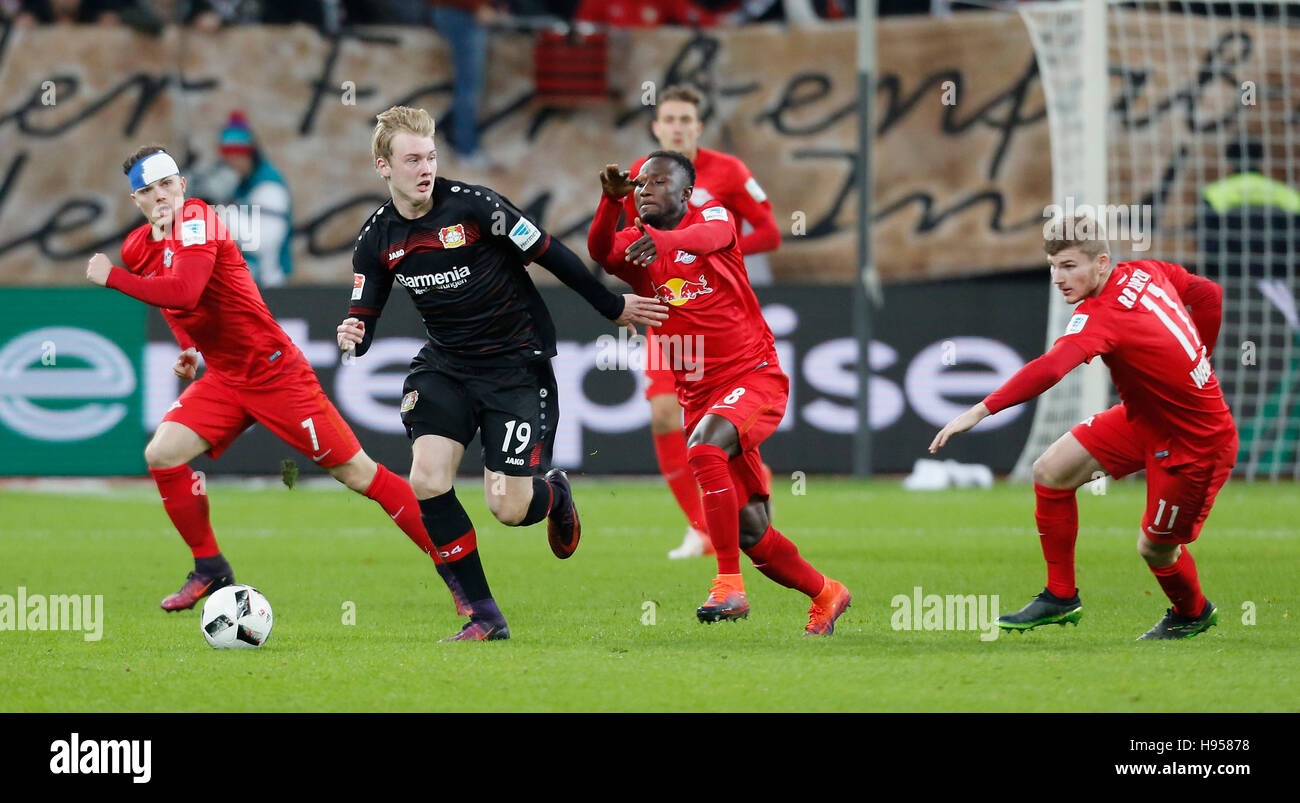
{"x":109,"y":375}
{"x":394,"y":255}
{"x":103,"y":757}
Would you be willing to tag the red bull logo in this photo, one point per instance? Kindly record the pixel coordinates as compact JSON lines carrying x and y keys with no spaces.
{"x":677,"y":291}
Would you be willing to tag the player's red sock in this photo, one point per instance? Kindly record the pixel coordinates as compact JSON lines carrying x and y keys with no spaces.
{"x":1057,"y":512}
{"x":721,"y":513}
{"x":397,"y":499}
{"x":670,"y":448}
{"x":777,"y":557}
{"x":185,"y":499}
{"x":1181,"y":584}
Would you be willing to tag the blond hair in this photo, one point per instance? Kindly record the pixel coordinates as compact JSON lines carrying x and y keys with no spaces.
{"x":393,"y":121}
{"x":1083,"y":231}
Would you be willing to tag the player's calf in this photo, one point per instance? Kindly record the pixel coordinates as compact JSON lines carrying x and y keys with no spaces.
{"x":509,"y":499}
{"x":358,"y":473}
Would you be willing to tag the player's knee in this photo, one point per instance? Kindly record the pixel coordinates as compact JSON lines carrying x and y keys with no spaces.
{"x":1155,"y":553}
{"x":1047,"y":473}
{"x":157,"y":455}
{"x":428,"y":484}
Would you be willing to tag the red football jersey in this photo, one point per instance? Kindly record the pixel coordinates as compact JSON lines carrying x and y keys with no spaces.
{"x":715,"y":330}
{"x":1157,"y":353}
{"x":724,"y":178}
{"x":198,"y":276}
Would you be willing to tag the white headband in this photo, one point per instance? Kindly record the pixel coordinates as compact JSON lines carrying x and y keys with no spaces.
{"x":151,"y":168}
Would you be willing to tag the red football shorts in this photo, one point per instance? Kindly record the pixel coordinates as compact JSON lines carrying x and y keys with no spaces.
{"x":292,"y":405}
{"x":659,"y":374}
{"x":1178,"y":497}
{"x":755,"y":404}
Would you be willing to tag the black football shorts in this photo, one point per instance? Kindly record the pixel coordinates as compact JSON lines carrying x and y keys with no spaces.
{"x":513,"y":408}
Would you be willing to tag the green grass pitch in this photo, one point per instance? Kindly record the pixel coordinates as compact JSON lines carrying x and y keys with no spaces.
{"x":584,"y":638}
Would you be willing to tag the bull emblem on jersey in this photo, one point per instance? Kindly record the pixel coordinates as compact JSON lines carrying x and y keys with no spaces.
{"x":677,"y":291}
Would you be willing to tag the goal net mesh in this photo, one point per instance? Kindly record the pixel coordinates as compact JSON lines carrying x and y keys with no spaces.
{"x":1193,"y":109}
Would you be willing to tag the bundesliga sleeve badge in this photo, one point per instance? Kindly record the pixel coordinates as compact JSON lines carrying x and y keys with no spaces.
{"x":358,"y":284}
{"x":524,"y":234}
{"x":194,"y":232}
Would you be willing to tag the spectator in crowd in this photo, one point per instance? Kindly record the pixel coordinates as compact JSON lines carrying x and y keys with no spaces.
{"x":265,"y":235}
{"x":209,"y":16}
{"x":153,"y":16}
{"x":463,"y":24}
{"x":61,"y":12}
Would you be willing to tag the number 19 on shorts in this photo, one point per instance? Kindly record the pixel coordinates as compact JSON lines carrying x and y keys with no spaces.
{"x":521,"y":433}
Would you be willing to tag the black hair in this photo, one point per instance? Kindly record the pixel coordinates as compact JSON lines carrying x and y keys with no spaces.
{"x":680,"y":159}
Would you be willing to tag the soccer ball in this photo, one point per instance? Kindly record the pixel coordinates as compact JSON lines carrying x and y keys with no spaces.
{"x":236,"y":618}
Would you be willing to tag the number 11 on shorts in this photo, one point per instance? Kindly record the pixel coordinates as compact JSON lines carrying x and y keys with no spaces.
{"x":1160,"y":511}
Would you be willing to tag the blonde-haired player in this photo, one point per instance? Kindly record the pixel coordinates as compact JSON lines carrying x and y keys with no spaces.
{"x":459,"y":250}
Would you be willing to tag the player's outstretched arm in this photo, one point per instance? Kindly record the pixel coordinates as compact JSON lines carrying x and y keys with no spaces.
{"x":181,"y":289}
{"x":1037,"y":376}
{"x":626,"y":309}
{"x":961,"y":423}
{"x":1034,"y":378}
{"x":642,"y":310}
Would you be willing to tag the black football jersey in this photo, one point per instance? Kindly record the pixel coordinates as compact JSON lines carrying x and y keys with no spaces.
{"x":463,"y":265}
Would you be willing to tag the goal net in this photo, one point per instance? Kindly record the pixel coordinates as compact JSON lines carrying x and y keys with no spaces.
{"x":1193,"y":110}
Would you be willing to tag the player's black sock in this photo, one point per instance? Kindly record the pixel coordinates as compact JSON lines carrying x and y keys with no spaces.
{"x":545,"y":496}
{"x":215,"y":566}
{"x":452,"y":533}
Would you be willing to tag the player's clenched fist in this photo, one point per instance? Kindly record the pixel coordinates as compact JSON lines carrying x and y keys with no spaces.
{"x":98,"y":268}
{"x":187,"y":364}
{"x":350,"y":333}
